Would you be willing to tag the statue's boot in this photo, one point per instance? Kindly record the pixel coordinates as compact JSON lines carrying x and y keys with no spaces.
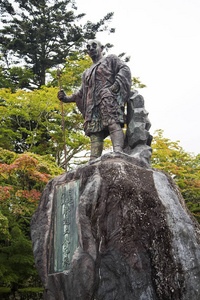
{"x":96,"y":145}
{"x":117,"y":137}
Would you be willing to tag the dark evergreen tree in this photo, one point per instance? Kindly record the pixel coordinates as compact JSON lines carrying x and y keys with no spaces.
{"x":16,"y":78}
{"x":43,"y":33}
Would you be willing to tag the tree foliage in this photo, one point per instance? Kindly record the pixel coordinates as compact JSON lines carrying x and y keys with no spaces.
{"x":137,"y":84}
{"x":15,"y":78}
{"x":32,"y":121}
{"x":71,"y":73}
{"x":43,"y":33}
{"x":184,"y":168}
{"x":22,"y":178}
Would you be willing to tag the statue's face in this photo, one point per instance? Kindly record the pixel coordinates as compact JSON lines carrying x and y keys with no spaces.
{"x":94,"y":50}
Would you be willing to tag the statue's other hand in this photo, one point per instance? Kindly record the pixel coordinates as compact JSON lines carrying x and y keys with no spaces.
{"x":115,"y":87}
{"x":61,"y":95}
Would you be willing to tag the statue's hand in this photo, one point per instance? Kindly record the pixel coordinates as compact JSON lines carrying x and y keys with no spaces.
{"x":115,"y":87}
{"x":62,"y":96}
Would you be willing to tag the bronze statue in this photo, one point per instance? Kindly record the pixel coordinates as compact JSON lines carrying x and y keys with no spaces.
{"x":101,"y":99}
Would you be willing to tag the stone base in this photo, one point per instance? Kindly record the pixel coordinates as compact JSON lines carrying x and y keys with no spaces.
{"x":136,"y":238}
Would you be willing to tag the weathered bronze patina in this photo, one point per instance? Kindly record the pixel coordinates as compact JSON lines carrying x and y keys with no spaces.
{"x":65,"y":234}
{"x":101,"y":99}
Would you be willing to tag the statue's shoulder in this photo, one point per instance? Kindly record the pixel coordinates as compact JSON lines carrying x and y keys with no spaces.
{"x":112,"y":60}
{"x":112,"y":57}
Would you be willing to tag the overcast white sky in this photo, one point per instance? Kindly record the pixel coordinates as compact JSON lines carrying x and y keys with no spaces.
{"x":163,"y":39}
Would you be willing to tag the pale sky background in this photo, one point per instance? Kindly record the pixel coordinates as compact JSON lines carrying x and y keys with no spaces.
{"x":163,"y":39}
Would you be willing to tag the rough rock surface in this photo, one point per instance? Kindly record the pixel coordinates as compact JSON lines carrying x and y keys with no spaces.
{"x":137,"y":240}
{"x":138,"y":139}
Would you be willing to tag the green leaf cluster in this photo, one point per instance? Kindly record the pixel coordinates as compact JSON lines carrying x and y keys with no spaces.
{"x":32,"y":121}
{"x":71,"y":73}
{"x":16,"y":259}
{"x":16,"y":78}
{"x":137,"y":84}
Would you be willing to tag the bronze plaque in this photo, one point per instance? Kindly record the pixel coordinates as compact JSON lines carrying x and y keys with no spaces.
{"x":65,"y":228}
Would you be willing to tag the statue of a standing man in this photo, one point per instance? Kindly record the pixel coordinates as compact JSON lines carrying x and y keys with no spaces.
{"x":101,"y":99}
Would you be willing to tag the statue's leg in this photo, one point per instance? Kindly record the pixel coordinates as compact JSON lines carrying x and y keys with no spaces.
{"x":117,"y":136}
{"x":96,"y":145}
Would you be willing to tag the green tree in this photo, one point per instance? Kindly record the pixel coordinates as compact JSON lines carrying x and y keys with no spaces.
{"x":71,"y":73}
{"x":15,"y":78}
{"x":184,"y":168}
{"x":32,"y":121}
{"x":43,"y":33}
{"x":22,"y":178}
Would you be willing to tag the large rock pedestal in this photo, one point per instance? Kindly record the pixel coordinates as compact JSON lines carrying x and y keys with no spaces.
{"x":135,"y":238}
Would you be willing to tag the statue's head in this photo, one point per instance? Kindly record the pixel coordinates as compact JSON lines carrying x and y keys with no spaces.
{"x":94,"y":49}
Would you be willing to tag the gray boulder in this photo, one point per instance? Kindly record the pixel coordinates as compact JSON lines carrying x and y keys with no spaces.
{"x":135,"y":238}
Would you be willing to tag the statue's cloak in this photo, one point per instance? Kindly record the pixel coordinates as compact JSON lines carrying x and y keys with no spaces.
{"x":110,"y":69}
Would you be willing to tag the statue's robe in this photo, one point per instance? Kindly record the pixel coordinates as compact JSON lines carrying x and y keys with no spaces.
{"x":96,"y":86}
